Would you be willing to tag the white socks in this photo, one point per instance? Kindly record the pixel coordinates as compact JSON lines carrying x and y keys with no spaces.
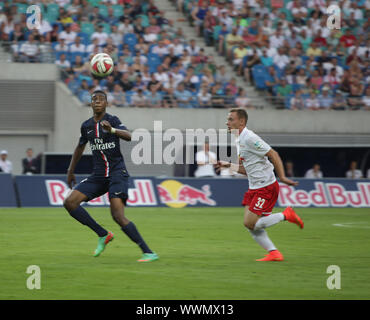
{"x":268,"y":221}
{"x":261,"y":237}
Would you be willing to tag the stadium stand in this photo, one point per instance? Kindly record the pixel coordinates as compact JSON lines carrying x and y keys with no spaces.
{"x":293,"y":37}
{"x":309,"y":60}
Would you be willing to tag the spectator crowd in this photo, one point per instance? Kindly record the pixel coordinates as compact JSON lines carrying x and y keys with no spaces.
{"x":155,"y":65}
{"x":283,"y":48}
{"x":286,"y":49}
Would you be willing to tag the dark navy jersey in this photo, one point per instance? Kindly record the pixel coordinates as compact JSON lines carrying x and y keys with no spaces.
{"x":105,"y":146}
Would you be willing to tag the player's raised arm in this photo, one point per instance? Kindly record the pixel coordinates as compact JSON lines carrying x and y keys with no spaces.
{"x":123,"y":134}
{"x":279,"y":168}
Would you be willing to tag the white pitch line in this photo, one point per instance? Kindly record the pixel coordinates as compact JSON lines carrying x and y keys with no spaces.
{"x":351,"y":225}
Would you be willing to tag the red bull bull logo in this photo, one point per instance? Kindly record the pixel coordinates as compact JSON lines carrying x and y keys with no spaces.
{"x":178,"y":195}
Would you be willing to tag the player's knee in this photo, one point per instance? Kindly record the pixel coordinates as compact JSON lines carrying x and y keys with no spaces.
{"x":249,"y":225}
{"x":70,"y":204}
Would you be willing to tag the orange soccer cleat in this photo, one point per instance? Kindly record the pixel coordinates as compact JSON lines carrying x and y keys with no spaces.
{"x":274,"y":255}
{"x":292,"y":217}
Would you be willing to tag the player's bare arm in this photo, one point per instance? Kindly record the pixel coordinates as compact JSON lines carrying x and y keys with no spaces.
{"x":77,"y":154}
{"x":279,"y":168}
{"x":123,"y":134}
{"x":239,"y":168}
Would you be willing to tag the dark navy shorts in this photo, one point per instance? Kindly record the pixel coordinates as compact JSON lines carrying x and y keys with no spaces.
{"x":116,"y":185}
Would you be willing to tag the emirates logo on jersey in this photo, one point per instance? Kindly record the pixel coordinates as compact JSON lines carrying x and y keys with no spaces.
{"x":100,"y":145}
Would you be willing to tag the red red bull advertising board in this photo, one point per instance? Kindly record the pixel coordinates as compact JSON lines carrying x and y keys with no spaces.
{"x":44,"y":191}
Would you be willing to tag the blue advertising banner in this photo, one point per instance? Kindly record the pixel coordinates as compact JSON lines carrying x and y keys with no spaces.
{"x":45,"y":190}
{"x":51,"y":190}
{"x":7,"y":194}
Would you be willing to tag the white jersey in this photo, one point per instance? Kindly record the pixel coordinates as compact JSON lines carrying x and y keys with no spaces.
{"x":252,"y":153}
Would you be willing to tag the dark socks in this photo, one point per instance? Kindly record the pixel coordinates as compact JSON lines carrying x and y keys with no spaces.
{"x":131,"y":231}
{"x":81,"y":215}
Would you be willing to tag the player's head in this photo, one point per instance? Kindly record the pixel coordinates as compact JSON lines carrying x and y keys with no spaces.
{"x":237,"y":119}
{"x":99,"y":101}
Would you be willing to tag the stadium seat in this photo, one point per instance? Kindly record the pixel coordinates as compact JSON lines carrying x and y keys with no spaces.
{"x":279,"y":72}
{"x":151,"y":47}
{"x":216,"y":32}
{"x":304,"y":59}
{"x":74,"y":86}
{"x":287,"y":100}
{"x":118,"y":10}
{"x":153,"y":62}
{"x":94,"y":3}
{"x":54,"y":44}
{"x":51,"y":18}
{"x":186,"y":5}
{"x":260,"y":82}
{"x":21,"y":8}
{"x":85,"y":38}
{"x":103,"y":10}
{"x":53,"y":9}
{"x":26,"y":34}
{"x":144,"y":20}
{"x":288,"y":14}
{"x":59,"y":53}
{"x":73,"y":56}
{"x":20,"y":44}
{"x":82,"y":77}
{"x":103,"y":82}
{"x":131,"y":40}
{"x":129,"y":95}
{"x":274,"y":89}
{"x":296,"y":86}
{"x":88,"y":28}
{"x":106,"y":27}
{"x":259,"y":71}
{"x":144,"y":6}
{"x":42,"y":7}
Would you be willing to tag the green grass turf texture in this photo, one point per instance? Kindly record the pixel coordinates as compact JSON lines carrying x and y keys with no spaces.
{"x":205,"y":253}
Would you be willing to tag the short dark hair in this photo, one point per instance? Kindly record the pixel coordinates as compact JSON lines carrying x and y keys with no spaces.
{"x":99,"y":92}
{"x":242,"y":114}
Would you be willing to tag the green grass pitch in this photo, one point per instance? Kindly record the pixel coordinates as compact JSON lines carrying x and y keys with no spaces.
{"x":205,"y":253}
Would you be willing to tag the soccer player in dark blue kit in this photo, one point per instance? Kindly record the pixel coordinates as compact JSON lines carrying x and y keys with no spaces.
{"x":103,"y":131}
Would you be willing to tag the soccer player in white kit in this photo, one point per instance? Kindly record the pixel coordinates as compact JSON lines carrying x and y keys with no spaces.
{"x":258,"y":160}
